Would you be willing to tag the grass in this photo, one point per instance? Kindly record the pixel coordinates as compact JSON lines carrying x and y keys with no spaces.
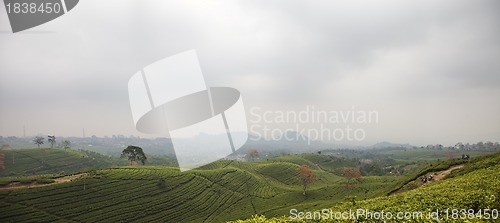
{"x":42,"y":179}
{"x":221,"y":191}
{"x":224,"y":190}
{"x":472,"y":191}
{"x":27,"y":162}
{"x":431,"y":168}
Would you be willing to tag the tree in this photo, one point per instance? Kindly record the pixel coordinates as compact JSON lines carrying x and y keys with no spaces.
{"x":306,"y":176}
{"x":66,"y":144}
{"x":253,"y":153}
{"x":134,"y":154}
{"x":489,"y":145}
{"x":52,"y":141}
{"x":480,"y":145}
{"x":459,"y":146}
{"x":38,"y":141}
{"x":352,"y":175}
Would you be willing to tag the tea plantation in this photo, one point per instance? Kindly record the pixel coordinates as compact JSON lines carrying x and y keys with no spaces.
{"x":221,"y":191}
{"x":470,"y":194}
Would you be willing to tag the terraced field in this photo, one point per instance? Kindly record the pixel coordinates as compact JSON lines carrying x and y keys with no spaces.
{"x":469,"y":194}
{"x":53,"y":161}
{"x":221,"y":191}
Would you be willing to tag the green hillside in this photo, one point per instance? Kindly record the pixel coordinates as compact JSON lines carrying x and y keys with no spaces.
{"x":228,"y":190}
{"x":469,"y":194}
{"x":53,"y":161}
{"x":221,"y":191}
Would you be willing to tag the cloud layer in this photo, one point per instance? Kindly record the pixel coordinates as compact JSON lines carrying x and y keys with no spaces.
{"x":430,"y":68}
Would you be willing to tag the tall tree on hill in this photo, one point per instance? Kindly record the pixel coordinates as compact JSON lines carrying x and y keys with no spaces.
{"x":134,"y":154}
{"x":253,"y":153}
{"x":306,"y":176}
{"x":52,"y":141}
{"x":352,"y":175}
{"x":38,"y":141}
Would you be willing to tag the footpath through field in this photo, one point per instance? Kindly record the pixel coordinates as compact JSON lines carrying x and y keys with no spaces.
{"x":440,"y":175}
{"x":445,"y":173}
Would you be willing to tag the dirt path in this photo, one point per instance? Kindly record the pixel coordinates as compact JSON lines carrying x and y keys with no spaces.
{"x":17,"y":185}
{"x":445,"y":173}
{"x":440,"y":175}
{"x":435,"y":177}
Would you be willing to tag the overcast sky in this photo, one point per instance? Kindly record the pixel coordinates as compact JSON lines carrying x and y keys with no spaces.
{"x":431,"y":69}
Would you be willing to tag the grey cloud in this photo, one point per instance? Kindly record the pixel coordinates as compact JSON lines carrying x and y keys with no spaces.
{"x":278,"y":54}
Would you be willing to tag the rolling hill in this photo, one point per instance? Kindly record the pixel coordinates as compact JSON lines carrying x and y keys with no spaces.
{"x":221,"y":191}
{"x":469,"y":194}
{"x":24,"y":162}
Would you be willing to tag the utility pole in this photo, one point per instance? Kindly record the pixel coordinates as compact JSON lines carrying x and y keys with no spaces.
{"x":24,"y":131}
